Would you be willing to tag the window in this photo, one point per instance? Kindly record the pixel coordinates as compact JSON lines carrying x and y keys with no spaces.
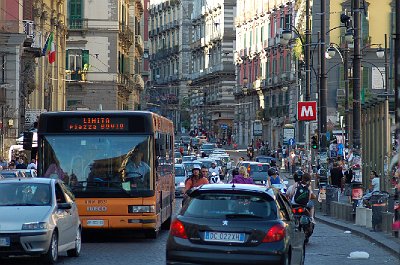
{"x":75,"y":14}
{"x":221,"y":205}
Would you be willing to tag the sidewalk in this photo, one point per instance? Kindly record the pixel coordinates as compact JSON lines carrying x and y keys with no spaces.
{"x":383,"y":240}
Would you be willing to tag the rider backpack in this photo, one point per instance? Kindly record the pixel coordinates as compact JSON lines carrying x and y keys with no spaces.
{"x":302,"y":195}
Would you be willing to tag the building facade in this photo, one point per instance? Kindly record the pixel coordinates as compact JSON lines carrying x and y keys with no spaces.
{"x":104,"y":54}
{"x":212,"y":68}
{"x":169,"y":38}
{"x":375,"y":84}
{"x":267,"y":84}
{"x":29,"y":84}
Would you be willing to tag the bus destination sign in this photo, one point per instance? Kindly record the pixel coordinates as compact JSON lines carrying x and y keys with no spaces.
{"x":96,"y":124}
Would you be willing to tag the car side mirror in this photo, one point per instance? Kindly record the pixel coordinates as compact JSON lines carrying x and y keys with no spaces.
{"x":64,"y":206}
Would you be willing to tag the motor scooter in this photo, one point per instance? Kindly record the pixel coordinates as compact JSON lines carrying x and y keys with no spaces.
{"x":302,"y":216}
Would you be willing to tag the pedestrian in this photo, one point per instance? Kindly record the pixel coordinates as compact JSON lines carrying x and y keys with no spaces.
{"x":336,"y":176}
{"x":32,"y":165}
{"x":20,"y":164}
{"x":243,"y":177}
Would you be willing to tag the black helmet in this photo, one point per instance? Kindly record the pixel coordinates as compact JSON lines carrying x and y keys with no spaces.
{"x":297,"y":175}
{"x":271,"y":171}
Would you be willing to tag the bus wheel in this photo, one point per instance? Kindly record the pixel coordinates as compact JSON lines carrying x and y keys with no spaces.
{"x":153,"y":234}
{"x":166,"y":224}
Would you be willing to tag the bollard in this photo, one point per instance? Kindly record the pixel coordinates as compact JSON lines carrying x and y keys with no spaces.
{"x":331,"y":195}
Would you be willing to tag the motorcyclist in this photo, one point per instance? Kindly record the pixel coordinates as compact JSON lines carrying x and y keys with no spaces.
{"x":273,"y":177}
{"x":297,"y":188}
{"x":195,"y":180}
{"x":214,"y":169}
{"x":215,"y":179}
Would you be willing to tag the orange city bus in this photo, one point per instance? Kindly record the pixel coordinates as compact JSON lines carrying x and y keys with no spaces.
{"x":91,"y":152}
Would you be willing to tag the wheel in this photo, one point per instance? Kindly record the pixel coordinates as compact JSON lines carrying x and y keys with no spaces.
{"x":286,"y":259}
{"x":303,"y":257}
{"x":166,"y":224}
{"x":76,"y":251}
{"x":152,"y":234}
{"x":51,"y":255}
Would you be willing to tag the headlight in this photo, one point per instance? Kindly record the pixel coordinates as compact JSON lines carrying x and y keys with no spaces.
{"x":34,"y":226}
{"x":181,"y":184}
{"x":141,"y":209}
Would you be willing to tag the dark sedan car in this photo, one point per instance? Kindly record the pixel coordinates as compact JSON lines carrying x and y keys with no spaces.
{"x":235,"y":224}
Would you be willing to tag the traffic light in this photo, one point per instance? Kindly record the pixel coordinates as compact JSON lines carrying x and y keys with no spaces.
{"x":314,"y":142}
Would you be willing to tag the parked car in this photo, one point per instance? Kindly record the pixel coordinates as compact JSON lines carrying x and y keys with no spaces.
{"x":180,"y":177}
{"x":13,"y":173}
{"x":38,"y":217}
{"x":257,"y":171}
{"x":235,"y":224}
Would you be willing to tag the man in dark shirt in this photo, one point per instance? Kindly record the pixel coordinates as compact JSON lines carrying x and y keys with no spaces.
{"x":336,"y":175}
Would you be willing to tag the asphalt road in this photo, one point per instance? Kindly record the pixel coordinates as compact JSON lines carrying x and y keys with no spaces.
{"x":327,"y":246}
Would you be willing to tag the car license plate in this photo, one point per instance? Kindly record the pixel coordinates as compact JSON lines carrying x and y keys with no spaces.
{"x":4,"y":241}
{"x":95,"y":222}
{"x":224,"y":237}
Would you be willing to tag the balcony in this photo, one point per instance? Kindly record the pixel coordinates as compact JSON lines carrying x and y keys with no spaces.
{"x":125,"y":35}
{"x":139,"y":43}
{"x":138,"y":82}
{"x":77,"y":24}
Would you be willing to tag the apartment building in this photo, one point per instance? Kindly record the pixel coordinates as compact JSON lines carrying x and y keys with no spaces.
{"x":212,"y":78}
{"x":169,"y":39}
{"x":267,"y":85}
{"x":104,"y":54}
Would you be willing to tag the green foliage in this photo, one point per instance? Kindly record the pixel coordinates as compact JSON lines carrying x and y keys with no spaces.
{"x":298,"y":49}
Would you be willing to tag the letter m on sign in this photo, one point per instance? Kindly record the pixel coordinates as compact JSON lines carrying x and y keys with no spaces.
{"x":307,"y":111}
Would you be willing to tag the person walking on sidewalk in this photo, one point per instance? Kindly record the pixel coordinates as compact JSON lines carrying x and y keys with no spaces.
{"x":336,"y":178}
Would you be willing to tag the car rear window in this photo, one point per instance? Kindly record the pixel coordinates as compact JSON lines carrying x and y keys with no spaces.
{"x":179,"y":171}
{"x":259,"y":168}
{"x":223,"y":205}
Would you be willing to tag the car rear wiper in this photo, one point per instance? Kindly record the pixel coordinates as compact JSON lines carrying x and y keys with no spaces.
{"x":243,"y":215}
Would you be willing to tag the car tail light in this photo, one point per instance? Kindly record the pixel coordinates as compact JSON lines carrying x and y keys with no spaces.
{"x":177,"y":229}
{"x":275,"y":233}
{"x":298,"y":210}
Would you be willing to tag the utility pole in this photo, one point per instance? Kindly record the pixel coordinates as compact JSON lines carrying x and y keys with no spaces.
{"x":346,"y":91}
{"x":323,"y":91}
{"x":396,"y":89}
{"x":307,"y":58}
{"x":357,"y":79}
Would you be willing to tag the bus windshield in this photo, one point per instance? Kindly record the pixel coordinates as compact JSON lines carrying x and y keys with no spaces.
{"x":99,"y":163}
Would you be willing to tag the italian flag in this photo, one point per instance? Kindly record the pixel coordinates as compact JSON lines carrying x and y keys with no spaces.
{"x":50,"y":49}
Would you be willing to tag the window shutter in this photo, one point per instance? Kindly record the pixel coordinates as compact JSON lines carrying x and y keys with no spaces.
{"x":85,"y":57}
{"x":67,"y":60}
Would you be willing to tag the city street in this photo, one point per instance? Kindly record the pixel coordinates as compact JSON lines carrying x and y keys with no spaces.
{"x":328,"y":246}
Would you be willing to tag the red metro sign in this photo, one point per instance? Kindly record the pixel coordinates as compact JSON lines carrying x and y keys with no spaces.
{"x":307,"y":111}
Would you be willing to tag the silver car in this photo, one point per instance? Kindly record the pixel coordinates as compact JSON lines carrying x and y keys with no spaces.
{"x":38,"y":217}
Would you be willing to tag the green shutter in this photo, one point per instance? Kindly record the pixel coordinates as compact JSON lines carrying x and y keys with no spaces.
{"x":85,"y":57}
{"x":341,"y":79}
{"x":365,"y":83}
{"x":67,"y":60}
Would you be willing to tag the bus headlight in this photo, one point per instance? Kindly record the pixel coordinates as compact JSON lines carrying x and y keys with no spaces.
{"x":141,"y":209}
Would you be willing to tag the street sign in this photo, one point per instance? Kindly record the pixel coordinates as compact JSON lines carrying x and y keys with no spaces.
{"x":288,"y":133}
{"x":307,"y":110}
{"x":292,"y":141}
